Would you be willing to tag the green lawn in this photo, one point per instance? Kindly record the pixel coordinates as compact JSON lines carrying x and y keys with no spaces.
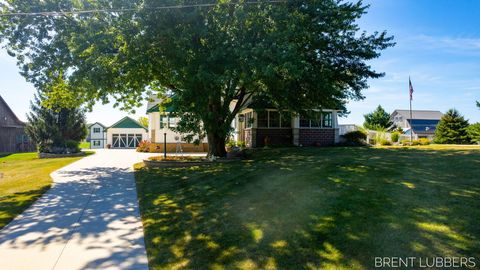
{"x":313,"y":208}
{"x":25,"y":178}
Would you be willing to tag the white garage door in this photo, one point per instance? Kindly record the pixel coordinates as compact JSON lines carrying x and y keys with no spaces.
{"x":126,"y":140}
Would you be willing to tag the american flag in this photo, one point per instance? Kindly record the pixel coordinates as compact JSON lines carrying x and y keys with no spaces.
{"x":410,"y":88}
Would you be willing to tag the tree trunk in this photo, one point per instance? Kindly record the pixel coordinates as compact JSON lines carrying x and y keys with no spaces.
{"x":216,"y":145}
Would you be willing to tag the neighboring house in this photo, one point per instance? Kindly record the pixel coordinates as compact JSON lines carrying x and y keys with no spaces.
{"x":12,"y":131}
{"x":97,"y":135}
{"x":126,"y":133}
{"x":160,"y":131}
{"x":258,"y":127}
{"x":422,"y":124}
{"x":253,"y":127}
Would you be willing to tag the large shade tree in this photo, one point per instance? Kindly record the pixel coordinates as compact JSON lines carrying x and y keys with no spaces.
{"x":294,"y":54}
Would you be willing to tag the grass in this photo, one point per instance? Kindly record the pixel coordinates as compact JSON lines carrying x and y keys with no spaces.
{"x":313,"y":208}
{"x":25,"y":178}
{"x":84,"y":145}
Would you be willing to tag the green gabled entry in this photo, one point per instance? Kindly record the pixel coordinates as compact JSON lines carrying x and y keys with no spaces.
{"x":127,"y":122}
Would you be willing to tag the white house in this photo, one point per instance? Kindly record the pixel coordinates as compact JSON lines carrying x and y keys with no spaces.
{"x":97,"y":135}
{"x":256,"y":127}
{"x":126,"y":133}
{"x":160,"y":125}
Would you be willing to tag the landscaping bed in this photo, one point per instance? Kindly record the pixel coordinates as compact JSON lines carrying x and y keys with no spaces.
{"x":181,"y":161}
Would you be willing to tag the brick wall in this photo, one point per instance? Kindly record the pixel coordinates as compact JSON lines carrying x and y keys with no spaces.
{"x":322,"y":137}
{"x":278,"y":136}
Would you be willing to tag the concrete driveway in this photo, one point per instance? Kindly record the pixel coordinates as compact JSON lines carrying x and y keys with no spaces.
{"x":89,"y":219}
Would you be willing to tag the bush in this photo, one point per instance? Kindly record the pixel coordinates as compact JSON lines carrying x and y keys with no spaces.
{"x":355,"y":137}
{"x":72,"y":146}
{"x":405,"y":142}
{"x":395,"y":136}
{"x":424,"y":141}
{"x":384,"y":142}
{"x":143,"y":146}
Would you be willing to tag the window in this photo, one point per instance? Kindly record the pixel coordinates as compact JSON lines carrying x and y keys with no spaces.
{"x":96,"y":130}
{"x":249,"y":120}
{"x":262,"y":119}
{"x":273,"y":119}
{"x":172,"y":122}
{"x":163,"y":121}
{"x":286,"y":120}
{"x":304,"y":122}
{"x":96,"y":143}
{"x":317,"y":120}
{"x":327,"y":119}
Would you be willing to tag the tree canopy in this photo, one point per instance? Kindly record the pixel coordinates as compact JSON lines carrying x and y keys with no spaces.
{"x":296,"y":55}
{"x":377,"y":120}
{"x":452,"y":129}
{"x":143,"y":120}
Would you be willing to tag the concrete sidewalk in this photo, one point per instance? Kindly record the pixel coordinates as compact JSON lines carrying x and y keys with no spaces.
{"x":89,"y":219}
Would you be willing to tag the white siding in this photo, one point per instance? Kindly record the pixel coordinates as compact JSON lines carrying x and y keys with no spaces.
{"x":112,"y":131}
{"x":154,"y":124}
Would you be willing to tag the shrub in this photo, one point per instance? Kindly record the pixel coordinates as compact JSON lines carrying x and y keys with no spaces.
{"x":72,"y":146}
{"x":355,"y":137}
{"x":424,"y":141}
{"x":143,"y":146}
{"x":395,"y":136}
{"x":416,"y":142}
{"x":230,"y":144}
{"x":384,"y":142}
{"x":406,"y":142}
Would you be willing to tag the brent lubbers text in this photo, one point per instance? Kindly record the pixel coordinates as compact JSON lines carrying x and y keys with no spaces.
{"x":426,"y":262}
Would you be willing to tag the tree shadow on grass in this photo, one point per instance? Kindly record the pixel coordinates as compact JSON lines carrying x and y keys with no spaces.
{"x":94,"y":208}
{"x":313,"y":208}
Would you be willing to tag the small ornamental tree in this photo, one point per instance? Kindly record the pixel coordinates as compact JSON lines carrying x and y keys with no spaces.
{"x":474,"y":132}
{"x":377,"y":120}
{"x":452,"y":129}
{"x":55,"y":130}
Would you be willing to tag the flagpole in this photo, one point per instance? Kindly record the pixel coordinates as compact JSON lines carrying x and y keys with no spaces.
{"x":411,"y":118}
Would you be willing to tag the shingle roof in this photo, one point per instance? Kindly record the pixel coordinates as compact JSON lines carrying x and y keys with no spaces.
{"x":419,"y":114}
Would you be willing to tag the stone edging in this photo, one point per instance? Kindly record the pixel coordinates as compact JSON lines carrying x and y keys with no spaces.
{"x":182,"y":164}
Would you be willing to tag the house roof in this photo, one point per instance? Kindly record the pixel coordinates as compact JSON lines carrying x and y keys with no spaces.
{"x":90,"y":125}
{"x":418,"y":114}
{"x":127,"y":122}
{"x":153,"y":102}
{"x":18,"y":123}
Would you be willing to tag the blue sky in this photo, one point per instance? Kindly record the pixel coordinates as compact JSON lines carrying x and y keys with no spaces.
{"x":438,"y":45}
